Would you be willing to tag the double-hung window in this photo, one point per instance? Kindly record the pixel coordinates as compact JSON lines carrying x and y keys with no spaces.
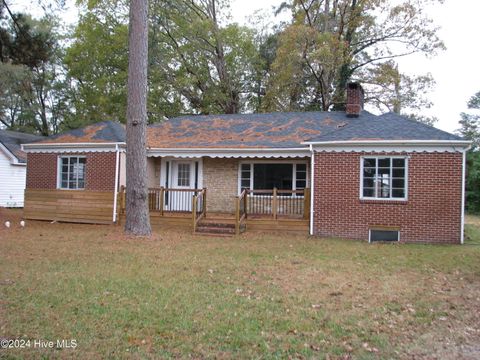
{"x":72,"y":172}
{"x":384,"y":178}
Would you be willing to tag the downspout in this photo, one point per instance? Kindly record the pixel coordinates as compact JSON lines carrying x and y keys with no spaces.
{"x":115,"y":191}
{"x":312,"y":187}
{"x":462,"y":226}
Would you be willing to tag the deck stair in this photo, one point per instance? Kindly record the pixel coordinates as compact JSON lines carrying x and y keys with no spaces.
{"x":218,"y":225}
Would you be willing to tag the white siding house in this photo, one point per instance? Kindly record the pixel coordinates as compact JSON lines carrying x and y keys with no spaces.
{"x":13,"y":167}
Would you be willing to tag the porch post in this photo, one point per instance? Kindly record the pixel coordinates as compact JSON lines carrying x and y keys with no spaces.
{"x":306,"y":203}
{"x":274,"y":203}
{"x":162,"y":198}
{"x":204,"y":202}
{"x":237,"y":215}
{"x":194,"y":212}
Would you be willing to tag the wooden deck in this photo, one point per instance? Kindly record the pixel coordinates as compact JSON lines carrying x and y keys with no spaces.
{"x":261,"y":223}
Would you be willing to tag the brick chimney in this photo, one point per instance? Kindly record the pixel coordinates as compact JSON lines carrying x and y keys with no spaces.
{"x":354,"y":99}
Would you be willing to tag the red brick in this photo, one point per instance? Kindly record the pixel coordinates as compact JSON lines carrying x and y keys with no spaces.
{"x":431,"y":214}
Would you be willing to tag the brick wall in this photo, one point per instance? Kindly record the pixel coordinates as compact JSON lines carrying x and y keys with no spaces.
{"x":220,"y":177}
{"x":431,"y":214}
{"x":100,"y":171}
{"x":41,"y":171}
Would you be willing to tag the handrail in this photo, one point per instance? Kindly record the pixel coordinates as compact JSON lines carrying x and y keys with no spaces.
{"x":196,"y":214}
{"x":240,"y":210}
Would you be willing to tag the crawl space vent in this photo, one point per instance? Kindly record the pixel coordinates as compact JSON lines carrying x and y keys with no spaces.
{"x":384,"y":235}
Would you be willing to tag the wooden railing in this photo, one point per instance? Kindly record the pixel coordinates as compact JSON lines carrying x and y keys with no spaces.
{"x":172,"y":200}
{"x":278,"y":202}
{"x":162,"y":199}
{"x":240,"y":211}
{"x":199,"y":207}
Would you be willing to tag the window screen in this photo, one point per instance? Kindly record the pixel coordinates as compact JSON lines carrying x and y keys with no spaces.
{"x":269,"y":176}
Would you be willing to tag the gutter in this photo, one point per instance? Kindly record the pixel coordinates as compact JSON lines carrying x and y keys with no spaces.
{"x":115,"y":191}
{"x":462,"y":143}
{"x":312,"y":187}
{"x":462,"y":210}
{"x":34,"y":146}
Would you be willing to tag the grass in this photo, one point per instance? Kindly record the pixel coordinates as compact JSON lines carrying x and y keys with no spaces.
{"x":259,"y":296}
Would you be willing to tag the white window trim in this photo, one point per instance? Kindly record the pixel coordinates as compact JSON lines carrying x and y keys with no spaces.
{"x":405,"y":198}
{"x":59,"y":171}
{"x":294,"y":169}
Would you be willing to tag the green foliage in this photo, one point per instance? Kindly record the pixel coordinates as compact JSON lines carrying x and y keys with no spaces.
{"x":470,"y":129}
{"x":329,"y":43}
{"x":34,"y":95}
{"x":470,"y":122}
{"x":97,"y":60}
{"x":196,"y":64}
{"x":472,"y":192}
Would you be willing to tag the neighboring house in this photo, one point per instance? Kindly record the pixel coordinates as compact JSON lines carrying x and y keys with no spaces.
{"x":13,"y":167}
{"x":335,"y":174}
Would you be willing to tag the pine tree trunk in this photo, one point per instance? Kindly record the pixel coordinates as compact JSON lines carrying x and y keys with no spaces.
{"x":137,"y":215}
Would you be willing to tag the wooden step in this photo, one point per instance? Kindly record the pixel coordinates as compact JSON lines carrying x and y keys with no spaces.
{"x":216,"y":230}
{"x":217,"y":224}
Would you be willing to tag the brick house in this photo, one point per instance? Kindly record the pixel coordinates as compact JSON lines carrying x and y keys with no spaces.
{"x":335,"y":174}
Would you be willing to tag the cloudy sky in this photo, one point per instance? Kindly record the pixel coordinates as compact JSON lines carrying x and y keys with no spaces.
{"x":454,"y":70}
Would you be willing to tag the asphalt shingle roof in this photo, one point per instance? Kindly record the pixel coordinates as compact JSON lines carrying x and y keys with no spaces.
{"x":388,"y":126}
{"x":13,"y":140}
{"x":269,"y":130}
{"x":285,"y":130}
{"x":102,"y":132}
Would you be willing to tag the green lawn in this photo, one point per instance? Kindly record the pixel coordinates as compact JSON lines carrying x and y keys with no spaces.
{"x":258,"y":296}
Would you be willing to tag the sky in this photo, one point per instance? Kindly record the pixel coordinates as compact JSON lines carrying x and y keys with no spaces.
{"x":454,"y":70}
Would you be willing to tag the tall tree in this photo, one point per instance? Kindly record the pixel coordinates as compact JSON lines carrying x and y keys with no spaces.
{"x":470,"y":129}
{"x":330,"y":42}
{"x":198,"y":63}
{"x":137,"y":215}
{"x":35,"y":93}
{"x":470,"y":122}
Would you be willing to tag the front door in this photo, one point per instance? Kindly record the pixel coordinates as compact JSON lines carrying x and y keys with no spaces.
{"x":183,"y":178}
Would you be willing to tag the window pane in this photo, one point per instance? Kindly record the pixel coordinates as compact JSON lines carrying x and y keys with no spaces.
{"x":368,"y":182}
{"x":400,"y":173}
{"x":368,"y":172}
{"x":398,"y":193}
{"x":368,"y":192}
{"x":384,"y":171}
{"x":385,"y":162}
{"x":302,"y":167}
{"x":369,"y":162}
{"x":268,"y":176}
{"x":246,"y":167}
{"x":398,"y":183}
{"x":301,"y":184}
{"x":183,"y":175}
{"x":301,"y":175}
{"x":383,"y":187}
{"x":398,"y":162}
{"x":64,"y":184}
